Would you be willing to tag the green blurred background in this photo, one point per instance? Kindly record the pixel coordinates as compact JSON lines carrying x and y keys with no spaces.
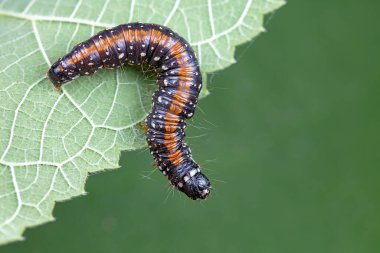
{"x":289,"y":137}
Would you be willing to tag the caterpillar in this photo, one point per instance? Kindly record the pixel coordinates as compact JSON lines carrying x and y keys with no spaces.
{"x":179,"y":83}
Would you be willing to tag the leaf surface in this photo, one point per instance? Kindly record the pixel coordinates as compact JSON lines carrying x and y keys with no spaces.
{"x":50,"y":141}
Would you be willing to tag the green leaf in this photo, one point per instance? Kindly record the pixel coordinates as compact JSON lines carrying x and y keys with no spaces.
{"x":50,"y":141}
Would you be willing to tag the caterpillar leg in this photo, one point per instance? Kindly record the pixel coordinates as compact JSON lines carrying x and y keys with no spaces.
{"x":143,"y":126}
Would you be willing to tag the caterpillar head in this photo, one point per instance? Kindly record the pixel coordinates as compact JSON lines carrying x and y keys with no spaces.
{"x":197,"y":186}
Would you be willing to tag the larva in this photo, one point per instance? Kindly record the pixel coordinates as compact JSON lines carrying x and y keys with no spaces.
{"x":179,"y":83}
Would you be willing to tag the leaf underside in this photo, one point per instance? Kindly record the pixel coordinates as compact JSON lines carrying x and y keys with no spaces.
{"x":50,"y":141}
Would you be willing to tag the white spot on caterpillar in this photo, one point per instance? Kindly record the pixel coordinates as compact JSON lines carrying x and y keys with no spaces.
{"x":180,"y":185}
{"x":121,"y":55}
{"x":193,"y":172}
{"x":107,"y":53}
{"x":159,"y":99}
{"x":131,"y":47}
{"x":164,"y":67}
{"x":143,"y":54}
{"x":156,"y":58}
{"x":186,"y":178}
{"x":90,"y":64}
{"x":205,"y":192}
